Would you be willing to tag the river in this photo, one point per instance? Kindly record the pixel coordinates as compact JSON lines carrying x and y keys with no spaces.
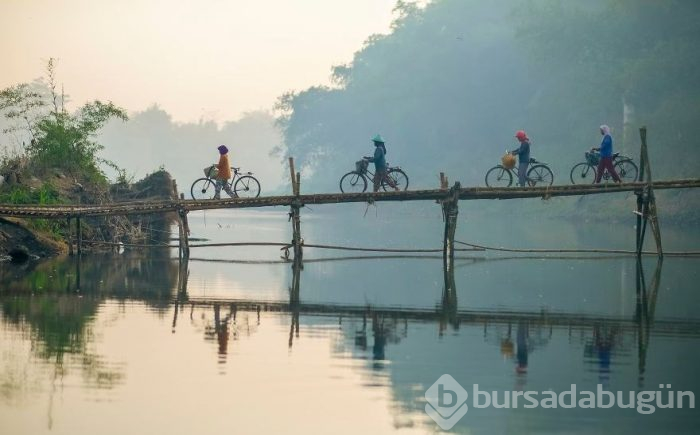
{"x":137,"y":342}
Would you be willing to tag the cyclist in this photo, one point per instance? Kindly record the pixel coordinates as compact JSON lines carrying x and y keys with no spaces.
{"x":224,"y":174}
{"x":380,"y":167}
{"x":606,"y":156}
{"x":523,"y":153}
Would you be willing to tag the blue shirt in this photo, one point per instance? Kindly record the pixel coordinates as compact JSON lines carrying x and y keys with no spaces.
{"x":606,"y":146}
{"x":379,"y":159}
{"x":523,"y":152}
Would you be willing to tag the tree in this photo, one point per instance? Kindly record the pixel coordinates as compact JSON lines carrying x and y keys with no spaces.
{"x":57,"y":138}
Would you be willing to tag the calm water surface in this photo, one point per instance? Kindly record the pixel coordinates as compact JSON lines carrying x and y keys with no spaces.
{"x":134,"y":343}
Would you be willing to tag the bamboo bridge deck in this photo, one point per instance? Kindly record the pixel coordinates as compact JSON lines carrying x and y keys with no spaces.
{"x":467,"y":193}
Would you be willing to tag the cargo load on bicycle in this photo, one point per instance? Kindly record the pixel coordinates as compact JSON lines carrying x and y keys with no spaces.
{"x":592,"y":158}
{"x":211,"y":171}
{"x":508,"y":161}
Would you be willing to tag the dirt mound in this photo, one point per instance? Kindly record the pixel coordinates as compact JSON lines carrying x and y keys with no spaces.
{"x":18,"y":243}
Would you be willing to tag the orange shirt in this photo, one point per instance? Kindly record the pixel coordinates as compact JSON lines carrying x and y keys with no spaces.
{"x":224,"y":168}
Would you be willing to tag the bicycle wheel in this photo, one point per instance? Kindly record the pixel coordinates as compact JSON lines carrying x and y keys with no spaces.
{"x":582,"y":173}
{"x":398,"y":177}
{"x":247,"y":187}
{"x":627,"y":171}
{"x":203,"y":188}
{"x":540,"y":175}
{"x":498,"y":176}
{"x":353,"y":182}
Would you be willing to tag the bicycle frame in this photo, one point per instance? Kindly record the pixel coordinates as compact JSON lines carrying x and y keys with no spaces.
{"x":371,"y":174}
{"x":236,"y":176}
{"x":394,"y":178}
{"x":537,"y":173}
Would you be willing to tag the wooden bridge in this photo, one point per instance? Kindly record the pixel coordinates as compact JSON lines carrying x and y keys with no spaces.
{"x":448,"y":197}
{"x":60,"y":211}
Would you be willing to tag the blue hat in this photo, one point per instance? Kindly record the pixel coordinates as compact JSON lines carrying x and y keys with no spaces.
{"x":378,"y":138}
{"x":222,"y":149}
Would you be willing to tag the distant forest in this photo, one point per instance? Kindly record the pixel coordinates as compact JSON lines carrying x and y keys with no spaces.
{"x":454,"y":80}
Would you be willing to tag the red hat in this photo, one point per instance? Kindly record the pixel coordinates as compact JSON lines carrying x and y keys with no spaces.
{"x":521,"y":135}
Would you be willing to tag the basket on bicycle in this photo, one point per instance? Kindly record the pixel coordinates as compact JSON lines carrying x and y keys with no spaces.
{"x":508,"y":161}
{"x":592,"y":158}
{"x":361,"y":166}
{"x":211,"y":171}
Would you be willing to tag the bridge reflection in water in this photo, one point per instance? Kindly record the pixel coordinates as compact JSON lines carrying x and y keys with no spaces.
{"x":516,"y":333}
{"x":398,"y":350}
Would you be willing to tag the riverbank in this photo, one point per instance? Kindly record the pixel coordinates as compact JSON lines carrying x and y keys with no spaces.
{"x":26,"y":239}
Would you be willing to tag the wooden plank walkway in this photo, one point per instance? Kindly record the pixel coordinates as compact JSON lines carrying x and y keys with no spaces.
{"x":468,"y":193}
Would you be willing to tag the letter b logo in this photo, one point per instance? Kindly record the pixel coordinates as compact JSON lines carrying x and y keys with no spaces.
{"x":442,"y":401}
{"x":447,"y":402}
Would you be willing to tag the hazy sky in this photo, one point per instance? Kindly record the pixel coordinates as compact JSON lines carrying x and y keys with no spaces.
{"x":210,"y":59}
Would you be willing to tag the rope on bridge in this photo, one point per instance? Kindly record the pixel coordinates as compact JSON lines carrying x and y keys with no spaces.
{"x":598,"y":251}
{"x":472,"y":247}
{"x":283,"y":245}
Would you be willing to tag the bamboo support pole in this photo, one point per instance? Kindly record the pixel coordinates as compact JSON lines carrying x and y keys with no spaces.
{"x":294,"y":215}
{"x":183,"y":275}
{"x":646,"y":200}
{"x":295,"y":188}
{"x":181,"y":237}
{"x":450,"y":211}
{"x":70,"y":237}
{"x":79,"y":233}
{"x":185,"y":233}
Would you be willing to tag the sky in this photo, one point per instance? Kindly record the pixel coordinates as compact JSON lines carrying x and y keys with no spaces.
{"x":197,"y":59}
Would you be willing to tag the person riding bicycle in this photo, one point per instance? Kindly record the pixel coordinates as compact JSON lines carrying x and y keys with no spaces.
{"x":380,"y":166}
{"x":523,"y":153}
{"x":224,"y":174}
{"x":606,"y":156}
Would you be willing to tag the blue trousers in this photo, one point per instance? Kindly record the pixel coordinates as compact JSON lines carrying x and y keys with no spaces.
{"x":522,"y":173}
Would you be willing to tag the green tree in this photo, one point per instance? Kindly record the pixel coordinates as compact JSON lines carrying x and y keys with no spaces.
{"x":57,"y":138}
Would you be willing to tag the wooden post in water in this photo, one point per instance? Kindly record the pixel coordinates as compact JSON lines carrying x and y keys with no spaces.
{"x":184,"y":234}
{"x":294,"y":214}
{"x":181,"y":236}
{"x":79,"y":232}
{"x":183,"y":273}
{"x":70,"y":238}
{"x":184,"y":231}
{"x":646,"y":201}
{"x":450,"y":211}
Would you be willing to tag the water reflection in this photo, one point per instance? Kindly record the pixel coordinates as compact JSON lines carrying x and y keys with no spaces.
{"x":517,"y":333}
{"x":397,"y":350}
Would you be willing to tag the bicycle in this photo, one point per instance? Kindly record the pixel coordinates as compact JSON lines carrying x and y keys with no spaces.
{"x":538,"y":174}
{"x":244,"y":186}
{"x":585,"y":172}
{"x":356,"y":181}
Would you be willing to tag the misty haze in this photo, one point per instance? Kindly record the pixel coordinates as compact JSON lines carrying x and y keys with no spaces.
{"x":352,"y":216}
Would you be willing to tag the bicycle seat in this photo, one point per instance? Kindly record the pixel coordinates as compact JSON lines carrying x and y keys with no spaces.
{"x":532,"y":160}
{"x":235,"y":169}
{"x":615,"y":155}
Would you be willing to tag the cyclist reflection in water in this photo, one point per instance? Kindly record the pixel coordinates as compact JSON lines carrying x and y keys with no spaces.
{"x":224,"y":174}
{"x":380,"y":333}
{"x":522,"y":350}
{"x":380,"y":167}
